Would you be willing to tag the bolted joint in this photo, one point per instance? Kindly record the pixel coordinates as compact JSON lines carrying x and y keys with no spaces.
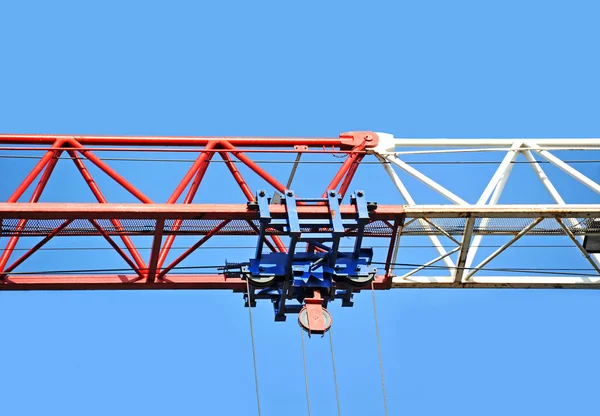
{"x":352,"y":139}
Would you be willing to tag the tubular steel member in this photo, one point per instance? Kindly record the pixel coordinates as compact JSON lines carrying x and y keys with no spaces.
{"x":310,"y":278}
{"x":347,"y":140}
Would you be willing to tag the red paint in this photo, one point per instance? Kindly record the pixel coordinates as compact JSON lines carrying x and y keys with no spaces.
{"x":237,"y":176}
{"x":127,"y":282}
{"x":199,"y":170}
{"x":62,"y":211}
{"x":35,"y":248}
{"x":176,"y":141}
{"x":192,"y":249}
{"x":102,"y":200}
{"x":155,"y":276}
{"x":49,"y":161}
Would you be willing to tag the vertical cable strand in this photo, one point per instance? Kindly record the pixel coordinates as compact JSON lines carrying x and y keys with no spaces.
{"x":379,"y":350}
{"x":253,"y":347}
{"x":305,"y":371}
{"x":337,"y":392}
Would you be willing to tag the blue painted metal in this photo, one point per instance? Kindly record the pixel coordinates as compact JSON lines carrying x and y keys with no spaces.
{"x":280,"y":277}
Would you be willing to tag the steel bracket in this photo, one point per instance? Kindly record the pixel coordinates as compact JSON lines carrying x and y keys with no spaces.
{"x":323,"y":271}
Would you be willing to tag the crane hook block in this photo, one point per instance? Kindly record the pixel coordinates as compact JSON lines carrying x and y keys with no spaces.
{"x":313,"y":317}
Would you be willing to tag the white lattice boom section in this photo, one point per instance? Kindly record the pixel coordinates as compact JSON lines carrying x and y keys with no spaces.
{"x":486,"y":218}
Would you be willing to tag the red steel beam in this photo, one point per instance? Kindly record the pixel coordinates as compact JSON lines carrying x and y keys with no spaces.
{"x":126,"y":282}
{"x":237,"y":176}
{"x":193,"y":248}
{"x":196,"y":171}
{"x":154,"y":253}
{"x":63,"y":211}
{"x":50,"y":163}
{"x":259,"y":171}
{"x":356,"y":159}
{"x":118,"y":249}
{"x":339,"y":175}
{"x":249,"y":196}
{"x":110,"y":172}
{"x":199,"y":170}
{"x":36,"y":247}
{"x":87,"y":176}
{"x":172,"y":140}
{"x":183,"y":149}
{"x":50,"y":156}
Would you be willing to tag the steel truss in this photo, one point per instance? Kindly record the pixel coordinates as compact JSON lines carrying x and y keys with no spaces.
{"x":463,"y":224}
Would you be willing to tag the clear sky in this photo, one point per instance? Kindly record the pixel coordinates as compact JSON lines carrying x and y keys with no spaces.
{"x":414,"y":69}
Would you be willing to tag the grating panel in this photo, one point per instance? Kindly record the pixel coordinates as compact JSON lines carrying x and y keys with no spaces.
{"x":454,"y":226}
{"x":146,"y":227}
{"x":489,"y":226}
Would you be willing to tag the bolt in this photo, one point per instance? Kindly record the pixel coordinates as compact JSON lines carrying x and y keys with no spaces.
{"x":368,"y":138}
{"x":332,"y":193}
{"x":261,"y":193}
{"x":290,"y":193}
{"x":360,"y":194}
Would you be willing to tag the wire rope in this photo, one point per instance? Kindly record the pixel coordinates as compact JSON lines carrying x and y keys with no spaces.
{"x":385,"y":406}
{"x":335,"y":382}
{"x":253,"y":348}
{"x":305,"y":372}
{"x":415,"y":246}
{"x":537,"y":270}
{"x":401,"y":266}
{"x":314,"y":162}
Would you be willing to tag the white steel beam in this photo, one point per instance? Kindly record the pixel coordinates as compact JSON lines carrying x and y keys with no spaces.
{"x":496,"y":184}
{"x":420,"y":142}
{"x":464,"y":250}
{"x":426,"y":180}
{"x":410,"y":201}
{"x":442,"y":231}
{"x":494,"y":188}
{"x":569,"y":170}
{"x":501,"y":211}
{"x":542,"y":176}
{"x":501,"y":249}
{"x":516,"y":281}
{"x":476,"y":150}
{"x":552,"y":190}
{"x":578,"y":244}
{"x":429,"y":263}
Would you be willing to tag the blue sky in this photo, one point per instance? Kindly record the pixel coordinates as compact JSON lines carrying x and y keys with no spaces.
{"x":414,"y":69}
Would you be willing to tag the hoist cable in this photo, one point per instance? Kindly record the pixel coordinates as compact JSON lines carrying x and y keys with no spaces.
{"x":337,"y":391}
{"x":314,"y":162}
{"x":379,"y":350}
{"x":253,"y":347}
{"x":305,"y":371}
{"x":203,"y":248}
{"x":574,"y":272}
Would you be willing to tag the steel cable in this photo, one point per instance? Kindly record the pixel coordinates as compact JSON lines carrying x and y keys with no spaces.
{"x":385,"y":406}
{"x":337,"y":391}
{"x":317,"y":162}
{"x":305,"y":371}
{"x":399,"y":266}
{"x":253,"y":347}
{"x":254,"y":247}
